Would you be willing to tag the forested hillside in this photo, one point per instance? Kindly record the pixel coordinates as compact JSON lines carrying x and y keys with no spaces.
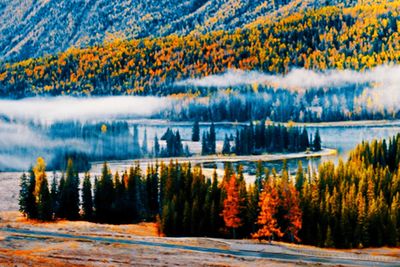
{"x":357,"y":38}
{"x":33,"y":28}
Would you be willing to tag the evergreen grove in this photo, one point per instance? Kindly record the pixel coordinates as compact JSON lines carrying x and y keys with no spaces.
{"x":353,"y":204}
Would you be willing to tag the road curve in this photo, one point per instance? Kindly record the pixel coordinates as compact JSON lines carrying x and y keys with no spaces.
{"x":265,"y":255}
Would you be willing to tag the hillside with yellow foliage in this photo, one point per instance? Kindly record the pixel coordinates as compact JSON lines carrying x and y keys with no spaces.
{"x":333,"y":37}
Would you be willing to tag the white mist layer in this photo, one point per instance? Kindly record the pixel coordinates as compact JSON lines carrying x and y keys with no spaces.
{"x":70,"y":108}
{"x":300,"y":78}
{"x":20,"y":145}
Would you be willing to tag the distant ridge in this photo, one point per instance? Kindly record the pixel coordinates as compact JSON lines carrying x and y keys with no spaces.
{"x":33,"y":28}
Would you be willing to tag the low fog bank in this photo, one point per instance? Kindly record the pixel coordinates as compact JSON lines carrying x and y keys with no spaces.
{"x":21,"y":144}
{"x":300,"y":78}
{"x":70,"y":108}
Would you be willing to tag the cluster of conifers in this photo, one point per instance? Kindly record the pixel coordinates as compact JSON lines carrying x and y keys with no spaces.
{"x":353,"y":204}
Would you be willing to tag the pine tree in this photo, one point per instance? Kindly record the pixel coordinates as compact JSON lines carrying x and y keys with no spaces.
{"x":329,"y":239}
{"x":104,"y":196}
{"x":24,"y":194}
{"x":215,"y":219}
{"x":226,"y":148}
{"x":144,"y":145}
{"x":30,"y":204}
{"x":212,"y":139}
{"x":136,"y":146}
{"x":187,"y":215}
{"x":118,"y":213}
{"x":299,"y":177}
{"x":132,"y":191}
{"x":156,"y":146}
{"x":87,"y":198}
{"x":204,"y":144}
{"x":70,"y":193}
{"x":44,"y":207}
{"x":317,"y":141}
{"x":196,"y":131}
{"x":54,"y":194}
{"x":60,"y":212}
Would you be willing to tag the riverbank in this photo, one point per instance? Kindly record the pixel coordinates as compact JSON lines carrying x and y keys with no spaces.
{"x":124,"y":164}
{"x":353,"y":123}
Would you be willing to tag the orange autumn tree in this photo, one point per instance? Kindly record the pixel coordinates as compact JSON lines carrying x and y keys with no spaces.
{"x":290,"y":205}
{"x":269,"y":201}
{"x":231,"y":209}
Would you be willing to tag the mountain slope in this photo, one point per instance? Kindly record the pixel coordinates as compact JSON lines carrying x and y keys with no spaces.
{"x":357,"y":38}
{"x":32,"y":28}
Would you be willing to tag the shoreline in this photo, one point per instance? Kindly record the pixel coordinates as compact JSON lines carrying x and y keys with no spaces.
{"x":350,"y":123}
{"x":96,"y":166}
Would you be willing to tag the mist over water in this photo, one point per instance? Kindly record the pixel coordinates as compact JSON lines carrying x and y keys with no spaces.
{"x":24,"y":132}
{"x":70,"y":108}
{"x":25,"y":123}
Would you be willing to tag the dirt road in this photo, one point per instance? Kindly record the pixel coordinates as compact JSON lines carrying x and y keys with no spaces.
{"x":294,"y":256}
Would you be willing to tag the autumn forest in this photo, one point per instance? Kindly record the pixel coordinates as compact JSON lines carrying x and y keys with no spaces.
{"x":259,"y":132}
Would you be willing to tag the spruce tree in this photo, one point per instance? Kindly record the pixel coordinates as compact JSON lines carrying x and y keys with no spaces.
{"x":226,"y":148}
{"x":70,"y":193}
{"x":156,"y":147}
{"x":317,"y":141}
{"x":299,"y":176}
{"x":135,"y":145}
{"x":104,"y":196}
{"x":196,"y":132}
{"x":118,"y":204}
{"x":44,"y":205}
{"x":87,"y":198}
{"x":212,"y":139}
{"x":24,"y":194}
{"x":144,"y":145}
{"x":30,"y":204}
{"x":54,"y":193}
{"x":204,"y":144}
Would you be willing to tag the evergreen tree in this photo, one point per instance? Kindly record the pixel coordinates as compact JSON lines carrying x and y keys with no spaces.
{"x":60,"y":212}
{"x":118,"y":213}
{"x":30,"y":203}
{"x":212,"y":139}
{"x":329,"y":239}
{"x":87,"y":198}
{"x":42,"y":194}
{"x":299,"y":177}
{"x":24,"y":194}
{"x":226,"y":148}
{"x":317,"y":141}
{"x":196,"y":131}
{"x":204,"y":144}
{"x":156,"y":146}
{"x":69,"y":200}
{"x":136,"y":146}
{"x":44,"y":206}
{"x":144,"y":145}
{"x":54,"y":194}
{"x":104,"y":195}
